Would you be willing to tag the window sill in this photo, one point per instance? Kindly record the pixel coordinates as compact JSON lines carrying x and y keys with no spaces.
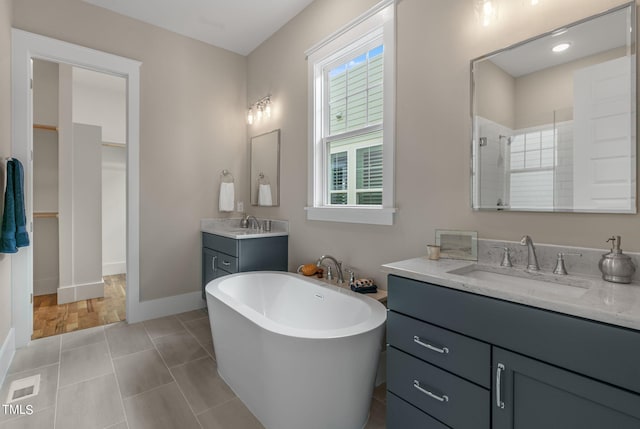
{"x":366,"y":215}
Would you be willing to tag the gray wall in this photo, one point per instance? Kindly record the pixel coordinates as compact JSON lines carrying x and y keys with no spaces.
{"x":436,"y":41}
{"x":192,"y":126}
{"x":5,"y":151}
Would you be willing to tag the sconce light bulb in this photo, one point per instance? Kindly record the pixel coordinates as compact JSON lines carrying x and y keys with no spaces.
{"x":259,"y":113}
{"x":250,"y":117}
{"x":267,"y":110}
{"x":488,"y":13}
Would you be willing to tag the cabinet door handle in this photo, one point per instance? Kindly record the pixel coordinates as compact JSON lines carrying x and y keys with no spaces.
{"x":214,"y":266}
{"x":499,"y":401}
{"x":441,"y":350}
{"x":441,"y":398}
{"x":226,"y":263}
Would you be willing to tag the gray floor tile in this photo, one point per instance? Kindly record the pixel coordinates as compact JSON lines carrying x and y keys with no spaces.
{"x":124,"y":339}
{"x":42,"y":352}
{"x":163,"y":326}
{"x":92,"y":404}
{"x":161,"y":408}
{"x":48,"y":388}
{"x":380,"y":393}
{"x":201,"y":385}
{"x":230,"y":415}
{"x":42,"y":419}
{"x":83,"y":363}
{"x":193,"y":315}
{"x":82,"y":338}
{"x":139,"y":372}
{"x":377,"y":416}
{"x":200,"y":329}
{"x":180,"y":348}
{"x":208,"y":346}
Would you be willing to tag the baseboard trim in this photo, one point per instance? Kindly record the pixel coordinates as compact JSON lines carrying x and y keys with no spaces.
{"x":112,"y":268}
{"x":6,"y":354}
{"x":161,"y":307}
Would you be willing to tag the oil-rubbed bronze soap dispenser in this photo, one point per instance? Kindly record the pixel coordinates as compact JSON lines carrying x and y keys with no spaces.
{"x":616,"y":266}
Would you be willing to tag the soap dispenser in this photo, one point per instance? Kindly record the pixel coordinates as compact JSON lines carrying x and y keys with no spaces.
{"x":615,"y":266}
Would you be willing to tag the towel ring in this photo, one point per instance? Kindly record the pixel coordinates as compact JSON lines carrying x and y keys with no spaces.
{"x":226,"y":176}
{"x":262,"y":180}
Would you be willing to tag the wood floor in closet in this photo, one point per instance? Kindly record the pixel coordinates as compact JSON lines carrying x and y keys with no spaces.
{"x":49,"y":318}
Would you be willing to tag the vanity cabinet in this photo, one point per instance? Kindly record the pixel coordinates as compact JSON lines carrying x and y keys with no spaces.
{"x":222,"y":256}
{"x":460,"y":360}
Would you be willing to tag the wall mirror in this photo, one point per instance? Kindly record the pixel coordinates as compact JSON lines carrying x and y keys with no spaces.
{"x":265,"y":169}
{"x":554,"y":120}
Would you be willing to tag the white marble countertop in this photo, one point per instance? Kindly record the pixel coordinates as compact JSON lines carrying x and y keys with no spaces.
{"x":613,"y":303}
{"x":230,"y":228}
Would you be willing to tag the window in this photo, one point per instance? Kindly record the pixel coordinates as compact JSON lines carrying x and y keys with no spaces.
{"x":532,"y":168}
{"x":352,"y":128}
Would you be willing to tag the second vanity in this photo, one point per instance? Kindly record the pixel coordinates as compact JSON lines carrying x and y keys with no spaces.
{"x":228,"y":248}
{"x":471,"y":351}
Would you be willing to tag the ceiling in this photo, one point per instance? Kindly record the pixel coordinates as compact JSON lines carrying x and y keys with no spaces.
{"x":237,"y":25}
{"x":588,"y":38}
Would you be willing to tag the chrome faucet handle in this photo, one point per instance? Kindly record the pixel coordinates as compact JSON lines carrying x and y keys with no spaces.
{"x":329,"y":273}
{"x":352,"y":276}
{"x":506,"y":256}
{"x":560,"y":268}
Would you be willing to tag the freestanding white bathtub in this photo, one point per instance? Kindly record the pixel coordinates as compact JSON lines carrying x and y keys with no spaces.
{"x":299,"y":353}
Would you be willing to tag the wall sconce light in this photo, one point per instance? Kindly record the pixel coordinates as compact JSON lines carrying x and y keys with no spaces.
{"x":259,"y":110}
{"x":487,"y":11}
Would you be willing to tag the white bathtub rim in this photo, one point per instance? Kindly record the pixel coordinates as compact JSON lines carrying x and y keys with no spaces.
{"x":377,"y":318}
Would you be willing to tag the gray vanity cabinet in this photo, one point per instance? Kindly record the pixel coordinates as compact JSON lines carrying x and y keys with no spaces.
{"x":462,"y":360}
{"x":534,"y":395}
{"x":222,"y":256}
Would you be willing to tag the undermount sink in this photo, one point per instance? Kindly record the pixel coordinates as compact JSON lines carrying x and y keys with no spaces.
{"x":518,"y":280}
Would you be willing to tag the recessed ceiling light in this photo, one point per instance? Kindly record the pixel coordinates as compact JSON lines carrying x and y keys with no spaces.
{"x":561,"y":47}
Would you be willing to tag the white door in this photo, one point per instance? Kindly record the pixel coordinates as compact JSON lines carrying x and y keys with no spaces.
{"x":604,"y":152}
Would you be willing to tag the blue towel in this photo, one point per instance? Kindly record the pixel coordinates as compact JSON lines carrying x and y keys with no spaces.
{"x":14,"y":231}
{"x":22,"y":236}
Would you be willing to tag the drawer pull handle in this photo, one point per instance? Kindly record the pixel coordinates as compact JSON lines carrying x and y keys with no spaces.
{"x":213,"y":264}
{"x":441,"y":350}
{"x":499,"y":401}
{"x":441,"y":398}
{"x":226,"y":263}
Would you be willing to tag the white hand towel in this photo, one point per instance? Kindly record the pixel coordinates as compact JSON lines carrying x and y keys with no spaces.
{"x":264,"y":195}
{"x":227,"y":197}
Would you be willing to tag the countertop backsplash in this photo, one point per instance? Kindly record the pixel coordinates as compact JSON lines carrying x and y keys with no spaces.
{"x":586,"y":265}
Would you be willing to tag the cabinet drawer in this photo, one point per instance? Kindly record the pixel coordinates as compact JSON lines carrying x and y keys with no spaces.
{"x":219,"y":243}
{"x":401,"y":415}
{"x":461,"y":355}
{"x":450,"y":399}
{"x":604,"y":352}
{"x":227,"y":263}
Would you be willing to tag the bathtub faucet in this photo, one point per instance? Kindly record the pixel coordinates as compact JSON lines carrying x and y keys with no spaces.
{"x":337,"y":264}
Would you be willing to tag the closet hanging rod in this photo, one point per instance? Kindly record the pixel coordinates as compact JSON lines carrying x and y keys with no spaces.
{"x":45,"y":127}
{"x":42,"y":215}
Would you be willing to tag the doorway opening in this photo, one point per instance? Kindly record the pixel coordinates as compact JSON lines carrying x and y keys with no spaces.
{"x":27,"y":47}
{"x":79,"y":198}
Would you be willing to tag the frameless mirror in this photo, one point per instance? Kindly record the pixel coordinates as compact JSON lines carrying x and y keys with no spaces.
{"x":265,"y":169}
{"x":554,"y":120}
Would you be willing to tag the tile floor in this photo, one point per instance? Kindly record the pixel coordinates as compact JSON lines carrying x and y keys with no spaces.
{"x":156,"y":374}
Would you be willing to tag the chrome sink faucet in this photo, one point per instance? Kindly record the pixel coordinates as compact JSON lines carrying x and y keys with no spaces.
{"x":337,"y":264}
{"x":256,"y":222}
{"x":532,"y":260}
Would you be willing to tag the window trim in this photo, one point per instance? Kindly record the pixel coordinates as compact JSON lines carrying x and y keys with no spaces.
{"x":378,"y":22}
